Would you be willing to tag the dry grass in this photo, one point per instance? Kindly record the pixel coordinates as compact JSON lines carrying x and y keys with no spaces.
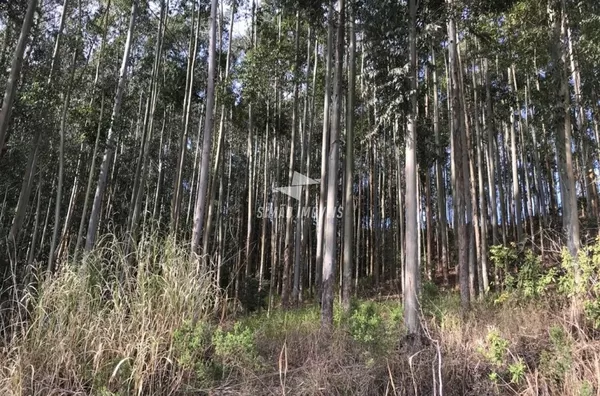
{"x":108,"y":327}
{"x":105,"y":325}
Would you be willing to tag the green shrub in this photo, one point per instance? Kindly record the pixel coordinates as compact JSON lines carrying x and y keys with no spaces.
{"x":504,"y":363}
{"x":528,"y":280}
{"x":192,"y":347}
{"x":430,"y":290}
{"x":496,"y":348}
{"x":235,"y":348}
{"x":365,"y":323}
{"x":581,"y":280}
{"x":556,"y":361}
{"x":502,"y":259}
{"x":531,"y":280}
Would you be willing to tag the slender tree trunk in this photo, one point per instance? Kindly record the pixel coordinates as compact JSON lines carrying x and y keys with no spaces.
{"x":324,"y":155}
{"x":563,"y":125}
{"x":439,"y":176}
{"x":189,"y":86}
{"x":349,"y":166}
{"x":26,"y":185}
{"x":208,"y":132}
{"x":461,"y":214}
{"x":330,"y":229}
{"x":218,"y":151}
{"x":61,"y":166}
{"x":88,"y":189}
{"x":15,"y":74}
{"x":110,"y":139}
{"x":288,"y":244}
{"x":411,"y":281}
{"x":34,"y":235}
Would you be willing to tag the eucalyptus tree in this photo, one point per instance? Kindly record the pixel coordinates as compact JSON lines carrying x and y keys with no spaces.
{"x":15,"y":73}
{"x":110,"y":137}
{"x":200,"y":205}
{"x":349,"y":228}
{"x":412,"y":274}
{"x":330,"y":225}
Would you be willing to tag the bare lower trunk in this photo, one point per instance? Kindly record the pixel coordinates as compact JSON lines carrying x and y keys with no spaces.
{"x":349,"y":169}
{"x":110,"y":140}
{"x":200,"y":206}
{"x":330,"y":230}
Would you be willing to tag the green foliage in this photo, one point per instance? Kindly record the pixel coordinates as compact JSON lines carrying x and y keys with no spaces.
{"x":430,"y":290}
{"x":587,"y":389}
{"x":556,"y":361}
{"x":365,"y":324}
{"x":497,"y":353}
{"x":531,"y":280}
{"x":523,"y":277}
{"x":495,"y":349}
{"x":235,"y":348}
{"x":517,"y":371}
{"x":581,"y":280}
{"x":503,"y":258}
{"x":192,"y":345}
{"x":211,"y":353}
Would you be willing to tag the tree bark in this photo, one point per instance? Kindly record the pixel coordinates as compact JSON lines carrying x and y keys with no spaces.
{"x":15,"y":74}
{"x":208,"y":132}
{"x":110,"y":139}
{"x":349,"y":166}
{"x":330,"y":230}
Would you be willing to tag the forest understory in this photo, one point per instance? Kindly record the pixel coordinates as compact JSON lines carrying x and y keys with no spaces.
{"x":157,"y":325}
{"x":293,"y":197}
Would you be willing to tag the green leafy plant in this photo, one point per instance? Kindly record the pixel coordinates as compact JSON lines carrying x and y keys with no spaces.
{"x":366,"y":324}
{"x":495,"y":349}
{"x":532,"y":281}
{"x":556,"y":361}
{"x":235,"y":348}
{"x":192,"y":344}
{"x":517,"y":371}
{"x":496,"y":352}
{"x":503,"y":258}
{"x":580,"y":279}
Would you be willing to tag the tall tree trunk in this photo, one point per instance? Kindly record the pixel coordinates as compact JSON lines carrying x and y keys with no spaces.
{"x":411,"y":281}
{"x":88,"y":189}
{"x":61,"y":166}
{"x":349,"y":166}
{"x":482,"y":270}
{"x":324,"y":154}
{"x":218,"y":151}
{"x":461,"y":178}
{"x":15,"y":74}
{"x":330,"y":230}
{"x":557,"y":13}
{"x":200,"y":205}
{"x":491,"y":157}
{"x":251,"y":160}
{"x":288,"y":244}
{"x":110,"y":139}
{"x":187,"y":103}
{"x":33,"y":247}
{"x":439,"y":177}
{"x":148,"y":131}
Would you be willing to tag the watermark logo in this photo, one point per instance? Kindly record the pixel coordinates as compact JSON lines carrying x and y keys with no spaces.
{"x":298,"y":182}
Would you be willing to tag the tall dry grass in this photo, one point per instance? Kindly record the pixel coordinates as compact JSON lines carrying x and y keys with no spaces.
{"x":108,"y":325}
{"x":105,"y":324}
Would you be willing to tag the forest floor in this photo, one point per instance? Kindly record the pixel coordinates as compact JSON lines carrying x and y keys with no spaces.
{"x":86,"y":332}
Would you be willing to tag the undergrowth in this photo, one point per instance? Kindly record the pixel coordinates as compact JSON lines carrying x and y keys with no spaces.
{"x":112,"y":325}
